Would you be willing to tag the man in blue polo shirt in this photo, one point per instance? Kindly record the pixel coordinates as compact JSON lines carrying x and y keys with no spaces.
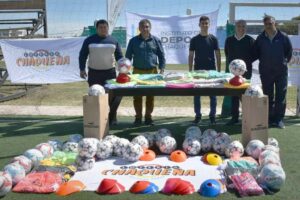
{"x":147,"y":53}
{"x":203,"y":49}
{"x":273,"y":49}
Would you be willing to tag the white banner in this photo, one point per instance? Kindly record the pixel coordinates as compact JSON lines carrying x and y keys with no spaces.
{"x":41,"y":61}
{"x":294,"y":64}
{"x":156,"y":171}
{"x":175,"y":32}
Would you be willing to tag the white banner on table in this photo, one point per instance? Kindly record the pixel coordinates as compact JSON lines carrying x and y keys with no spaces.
{"x":156,"y":171}
{"x":42,"y":61}
{"x":175,"y":32}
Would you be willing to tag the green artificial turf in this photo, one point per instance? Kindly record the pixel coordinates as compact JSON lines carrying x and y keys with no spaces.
{"x":18,"y":134}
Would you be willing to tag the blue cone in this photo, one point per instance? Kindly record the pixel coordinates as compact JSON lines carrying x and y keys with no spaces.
{"x":210,"y":188}
{"x":151,"y":189}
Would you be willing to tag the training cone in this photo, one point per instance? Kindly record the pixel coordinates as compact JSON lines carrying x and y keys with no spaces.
{"x":151,"y":189}
{"x":170,"y":185}
{"x":139,"y":186}
{"x":178,"y":156}
{"x":69,"y":188}
{"x":110,"y":186}
{"x":210,"y":188}
{"x":212,"y":159}
{"x":178,"y":186}
{"x":148,"y":155}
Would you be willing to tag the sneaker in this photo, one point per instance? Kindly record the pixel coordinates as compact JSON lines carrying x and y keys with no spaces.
{"x":233,"y":121}
{"x":197,"y":120}
{"x":137,"y":122}
{"x":212,"y":120}
{"x":149,"y":121}
{"x":281,"y":125}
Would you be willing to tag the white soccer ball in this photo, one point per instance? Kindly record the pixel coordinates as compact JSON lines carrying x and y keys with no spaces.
{"x":254,"y":148}
{"x":35,"y":156}
{"x":161,"y":133}
{"x":124,"y":65}
{"x":56,"y":144}
{"x":254,"y":91}
{"x":132,"y":152}
{"x":104,"y":149}
{"x":271,"y":148}
{"x":96,"y":90}
{"x":234,"y":147}
{"x":237,"y":67}
{"x":70,"y":147}
{"x":87,"y":147}
{"x":207,"y":144}
{"x":193,"y":131}
{"x":210,"y":133}
{"x":83,"y":163}
{"x":272,"y":141}
{"x":5,"y":183}
{"x":16,"y":172}
{"x":167,"y":145}
{"x":25,"y":162}
{"x":221,"y":141}
{"x":111,"y":138}
{"x":191,"y":146}
{"x":150,"y":137}
{"x":269,"y":156}
{"x":46,"y":149}
{"x":75,"y":138}
{"x":119,"y":146}
{"x":141,"y":140}
{"x":271,"y":176}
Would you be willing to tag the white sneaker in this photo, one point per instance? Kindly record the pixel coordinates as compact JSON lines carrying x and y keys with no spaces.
{"x":281,"y":125}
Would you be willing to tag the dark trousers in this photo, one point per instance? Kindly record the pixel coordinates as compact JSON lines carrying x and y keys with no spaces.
{"x":197,"y":106}
{"x":235,"y":106}
{"x":100,"y":77}
{"x":277,"y":105}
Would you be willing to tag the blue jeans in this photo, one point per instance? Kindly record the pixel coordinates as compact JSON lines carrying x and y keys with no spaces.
{"x":213,"y":106}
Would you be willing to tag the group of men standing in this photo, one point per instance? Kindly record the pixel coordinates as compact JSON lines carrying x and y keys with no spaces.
{"x":272,"y":48}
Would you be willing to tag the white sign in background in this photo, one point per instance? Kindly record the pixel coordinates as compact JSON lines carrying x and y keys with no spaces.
{"x":92,"y":178}
{"x":175,"y":32}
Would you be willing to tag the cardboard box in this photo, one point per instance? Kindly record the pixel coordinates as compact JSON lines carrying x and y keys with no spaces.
{"x":95,"y":116}
{"x":255,"y":122}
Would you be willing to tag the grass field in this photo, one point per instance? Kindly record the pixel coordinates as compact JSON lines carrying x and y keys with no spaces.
{"x":20,"y":133}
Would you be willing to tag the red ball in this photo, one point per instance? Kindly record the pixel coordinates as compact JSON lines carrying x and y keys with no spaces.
{"x":236,"y":81}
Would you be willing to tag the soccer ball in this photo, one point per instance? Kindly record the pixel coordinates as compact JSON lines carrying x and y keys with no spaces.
{"x":104,"y":150}
{"x":35,"y":156}
{"x":83,"y":163}
{"x":254,"y":148}
{"x":46,"y":149}
{"x":167,"y":144}
{"x":271,"y":148}
{"x":210,"y":133}
{"x":132,"y":152}
{"x":56,"y":144}
{"x":161,"y":133}
{"x":273,"y":142}
{"x":124,"y":65}
{"x":75,"y":138}
{"x":119,"y":146}
{"x":111,"y":138}
{"x":254,"y":91}
{"x":70,"y":147}
{"x":16,"y":171}
{"x":269,"y":156}
{"x":191,"y":146}
{"x":234,"y":146}
{"x":87,"y":147}
{"x":25,"y":162}
{"x":271,"y":176}
{"x":141,"y":140}
{"x":193,"y":131}
{"x":150,"y":137}
{"x":5,"y":183}
{"x":96,"y":90}
{"x":207,"y":144}
{"x":221,"y":141}
{"x":237,"y":67}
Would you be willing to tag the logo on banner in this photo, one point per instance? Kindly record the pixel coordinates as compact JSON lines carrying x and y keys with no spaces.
{"x":177,"y":39}
{"x":42,"y":59}
{"x":295,"y":60}
{"x":149,"y":171}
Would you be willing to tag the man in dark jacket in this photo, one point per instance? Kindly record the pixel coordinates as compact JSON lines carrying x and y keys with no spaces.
{"x":102,"y":50}
{"x":239,"y":46}
{"x":273,"y":49}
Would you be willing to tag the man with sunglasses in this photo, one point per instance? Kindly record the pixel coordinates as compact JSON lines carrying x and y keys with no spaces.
{"x":273,"y":49}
